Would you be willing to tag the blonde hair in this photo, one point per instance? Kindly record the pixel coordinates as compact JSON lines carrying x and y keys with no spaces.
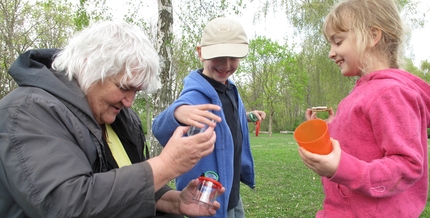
{"x":359,"y":18}
{"x":106,"y":49}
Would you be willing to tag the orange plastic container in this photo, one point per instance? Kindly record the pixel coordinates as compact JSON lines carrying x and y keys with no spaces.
{"x":313,"y":135}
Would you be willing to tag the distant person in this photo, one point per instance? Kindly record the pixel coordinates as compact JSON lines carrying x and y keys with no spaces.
{"x":224,"y":43}
{"x":379,"y":163}
{"x":70,"y":146}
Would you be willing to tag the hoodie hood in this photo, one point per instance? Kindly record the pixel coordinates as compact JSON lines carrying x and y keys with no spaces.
{"x":195,"y":82}
{"x":33,"y":68}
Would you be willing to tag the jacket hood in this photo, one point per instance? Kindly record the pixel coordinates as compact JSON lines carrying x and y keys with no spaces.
{"x":195,"y":82}
{"x":411,"y":81}
{"x":33,"y":68}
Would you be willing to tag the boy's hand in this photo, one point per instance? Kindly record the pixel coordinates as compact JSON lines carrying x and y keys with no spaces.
{"x":197,"y":115}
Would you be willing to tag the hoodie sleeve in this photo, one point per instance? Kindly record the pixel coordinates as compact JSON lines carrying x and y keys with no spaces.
{"x":165,"y":123}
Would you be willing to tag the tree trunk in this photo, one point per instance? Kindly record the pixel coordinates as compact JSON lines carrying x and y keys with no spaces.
{"x":162,"y":97}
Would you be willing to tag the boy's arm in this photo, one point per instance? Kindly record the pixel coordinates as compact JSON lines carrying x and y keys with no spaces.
{"x":165,"y":124}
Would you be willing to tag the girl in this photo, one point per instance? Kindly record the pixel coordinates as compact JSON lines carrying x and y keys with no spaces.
{"x":379,"y":163}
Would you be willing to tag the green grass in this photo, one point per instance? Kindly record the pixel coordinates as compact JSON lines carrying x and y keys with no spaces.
{"x":285,"y":186}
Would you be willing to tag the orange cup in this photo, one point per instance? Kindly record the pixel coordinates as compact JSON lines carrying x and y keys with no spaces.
{"x":313,"y":136}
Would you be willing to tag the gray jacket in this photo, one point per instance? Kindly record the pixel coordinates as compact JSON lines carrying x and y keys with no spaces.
{"x":52,"y":159}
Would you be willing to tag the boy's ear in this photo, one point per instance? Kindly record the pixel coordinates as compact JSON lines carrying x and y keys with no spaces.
{"x":199,"y":53}
{"x":376,"y":35}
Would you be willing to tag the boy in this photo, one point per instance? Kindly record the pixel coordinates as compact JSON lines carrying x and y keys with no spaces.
{"x":224,"y":43}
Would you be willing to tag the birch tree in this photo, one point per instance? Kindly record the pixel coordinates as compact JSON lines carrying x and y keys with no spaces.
{"x":163,"y":97}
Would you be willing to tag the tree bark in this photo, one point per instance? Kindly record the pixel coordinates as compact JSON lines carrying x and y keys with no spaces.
{"x":163,"y":97}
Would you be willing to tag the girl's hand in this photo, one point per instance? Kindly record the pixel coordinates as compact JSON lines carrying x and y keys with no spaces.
{"x":310,"y":115}
{"x":323,"y":165}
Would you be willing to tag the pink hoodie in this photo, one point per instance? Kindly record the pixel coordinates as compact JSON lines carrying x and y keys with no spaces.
{"x":382,"y":130}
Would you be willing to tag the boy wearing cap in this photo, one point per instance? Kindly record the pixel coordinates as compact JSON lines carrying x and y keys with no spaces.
{"x":223,"y":44}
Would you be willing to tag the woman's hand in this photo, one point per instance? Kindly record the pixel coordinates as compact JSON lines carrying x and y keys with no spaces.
{"x":191,"y":207}
{"x":181,"y":154}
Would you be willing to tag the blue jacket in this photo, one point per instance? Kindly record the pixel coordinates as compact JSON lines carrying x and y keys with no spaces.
{"x":197,"y":90}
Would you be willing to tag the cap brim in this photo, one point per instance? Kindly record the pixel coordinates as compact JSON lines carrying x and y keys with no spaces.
{"x":224,"y":50}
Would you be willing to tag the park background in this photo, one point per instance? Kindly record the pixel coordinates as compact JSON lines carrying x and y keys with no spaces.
{"x":287,"y":70}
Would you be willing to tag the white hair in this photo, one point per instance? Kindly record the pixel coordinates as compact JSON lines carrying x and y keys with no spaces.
{"x":107,"y":49}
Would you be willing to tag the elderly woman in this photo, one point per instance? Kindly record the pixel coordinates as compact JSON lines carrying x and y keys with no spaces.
{"x":71,"y":147}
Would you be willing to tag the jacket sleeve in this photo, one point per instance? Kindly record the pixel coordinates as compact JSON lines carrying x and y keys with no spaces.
{"x":165,"y":124}
{"x":46,"y":159}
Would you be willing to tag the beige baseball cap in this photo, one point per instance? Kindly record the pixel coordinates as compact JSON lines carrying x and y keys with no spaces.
{"x":224,"y":37}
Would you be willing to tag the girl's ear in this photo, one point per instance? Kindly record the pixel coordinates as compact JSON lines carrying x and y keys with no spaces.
{"x":376,"y":35}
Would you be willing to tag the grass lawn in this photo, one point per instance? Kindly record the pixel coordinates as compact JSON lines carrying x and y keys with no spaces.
{"x":285,"y":186}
